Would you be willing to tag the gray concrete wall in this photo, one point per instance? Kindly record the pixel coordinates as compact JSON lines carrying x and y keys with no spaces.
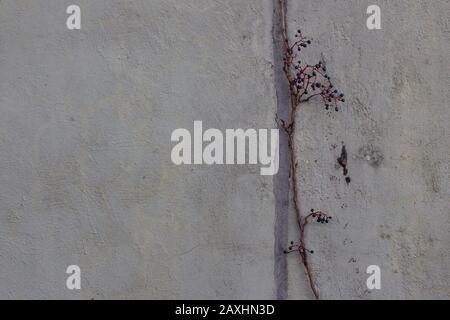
{"x":395,"y":212}
{"x":85,"y":170}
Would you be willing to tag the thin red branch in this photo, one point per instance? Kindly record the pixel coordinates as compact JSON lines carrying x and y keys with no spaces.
{"x":304,"y":84}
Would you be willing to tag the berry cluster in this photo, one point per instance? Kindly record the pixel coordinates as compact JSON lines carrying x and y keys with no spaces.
{"x":307,"y":81}
{"x":319,"y":216}
{"x":296,"y":247}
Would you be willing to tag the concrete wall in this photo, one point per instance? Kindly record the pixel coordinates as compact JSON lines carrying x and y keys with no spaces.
{"x":395,"y":212}
{"x":85,"y":170}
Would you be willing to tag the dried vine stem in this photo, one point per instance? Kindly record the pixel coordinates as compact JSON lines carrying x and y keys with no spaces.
{"x":305,"y":82}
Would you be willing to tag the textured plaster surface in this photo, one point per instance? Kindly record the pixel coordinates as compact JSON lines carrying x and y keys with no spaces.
{"x":395,"y":211}
{"x":85,"y":170}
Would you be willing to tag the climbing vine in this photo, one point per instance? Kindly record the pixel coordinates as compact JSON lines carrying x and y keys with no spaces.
{"x":305,"y":81}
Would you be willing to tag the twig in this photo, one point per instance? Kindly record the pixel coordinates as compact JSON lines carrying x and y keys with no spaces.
{"x":305,"y":82}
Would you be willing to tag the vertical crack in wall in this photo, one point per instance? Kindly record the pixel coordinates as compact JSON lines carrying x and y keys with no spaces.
{"x":281,"y":186}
